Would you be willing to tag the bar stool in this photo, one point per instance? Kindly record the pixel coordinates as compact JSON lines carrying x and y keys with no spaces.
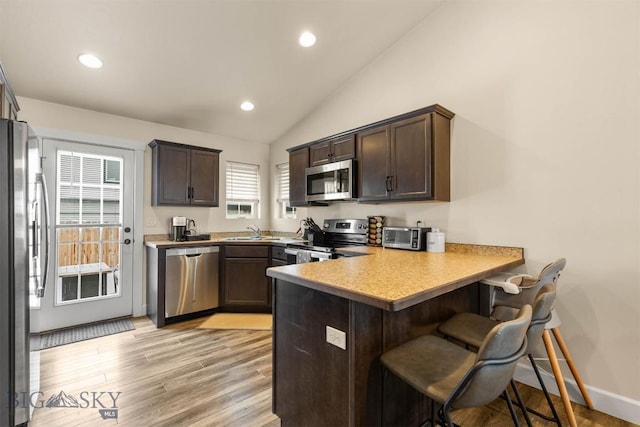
{"x":508,"y":295}
{"x":455,"y":377}
{"x":471,"y":329}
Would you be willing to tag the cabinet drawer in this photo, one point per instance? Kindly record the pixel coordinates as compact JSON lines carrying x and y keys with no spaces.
{"x":246,"y":251}
{"x":277,"y":252}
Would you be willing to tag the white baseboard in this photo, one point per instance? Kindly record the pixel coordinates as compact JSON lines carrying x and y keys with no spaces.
{"x":609,"y":403}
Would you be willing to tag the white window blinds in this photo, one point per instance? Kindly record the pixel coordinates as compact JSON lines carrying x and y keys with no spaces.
{"x":243,"y":182}
{"x":84,"y":194}
{"x":282,"y":174}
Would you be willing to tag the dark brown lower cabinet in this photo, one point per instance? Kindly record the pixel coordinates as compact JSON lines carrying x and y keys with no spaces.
{"x":246,"y":285}
{"x":318,"y":384}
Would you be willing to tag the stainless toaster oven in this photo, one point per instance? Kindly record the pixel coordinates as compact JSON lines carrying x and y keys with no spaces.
{"x":412,"y":238}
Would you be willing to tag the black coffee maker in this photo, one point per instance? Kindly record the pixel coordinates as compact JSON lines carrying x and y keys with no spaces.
{"x":178,"y":228}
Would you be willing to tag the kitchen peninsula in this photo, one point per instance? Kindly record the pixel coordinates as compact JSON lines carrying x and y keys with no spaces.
{"x":332,"y":321}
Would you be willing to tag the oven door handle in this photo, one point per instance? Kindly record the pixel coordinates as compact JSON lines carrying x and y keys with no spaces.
{"x":291,"y":251}
{"x":323,"y":256}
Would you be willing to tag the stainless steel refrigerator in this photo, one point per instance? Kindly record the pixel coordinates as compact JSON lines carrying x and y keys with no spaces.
{"x":24,"y":247}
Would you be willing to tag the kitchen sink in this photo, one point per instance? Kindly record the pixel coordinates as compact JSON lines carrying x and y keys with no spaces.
{"x":196,"y":237}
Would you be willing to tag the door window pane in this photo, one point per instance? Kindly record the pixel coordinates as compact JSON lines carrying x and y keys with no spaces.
{"x":88,"y":249}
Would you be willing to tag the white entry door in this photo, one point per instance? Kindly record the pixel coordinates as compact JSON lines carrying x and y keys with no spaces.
{"x":91,"y":195}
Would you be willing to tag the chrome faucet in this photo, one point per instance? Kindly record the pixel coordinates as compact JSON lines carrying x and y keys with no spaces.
{"x":256,"y":230}
{"x":191,"y":226}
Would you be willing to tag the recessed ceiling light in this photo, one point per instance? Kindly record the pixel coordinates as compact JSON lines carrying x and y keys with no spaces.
{"x":247,"y":106}
{"x":307,"y":39}
{"x":90,"y":61}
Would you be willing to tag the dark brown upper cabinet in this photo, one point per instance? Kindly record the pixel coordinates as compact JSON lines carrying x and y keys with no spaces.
{"x":373,"y":154}
{"x":298,"y":162}
{"x":332,"y":150}
{"x":402,"y":158}
{"x":184,"y":175}
{"x":405,"y":160}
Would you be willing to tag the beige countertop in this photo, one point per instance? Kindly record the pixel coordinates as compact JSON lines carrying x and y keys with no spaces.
{"x":165,"y":244}
{"x":394,"y":279}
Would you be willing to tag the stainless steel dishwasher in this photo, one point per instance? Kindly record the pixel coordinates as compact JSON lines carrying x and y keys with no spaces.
{"x":191,"y":280}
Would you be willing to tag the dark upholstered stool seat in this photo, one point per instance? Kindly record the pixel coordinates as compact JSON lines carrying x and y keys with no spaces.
{"x":470,"y":328}
{"x":413,"y":363}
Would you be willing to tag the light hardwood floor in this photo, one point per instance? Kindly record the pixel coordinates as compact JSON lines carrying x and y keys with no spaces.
{"x":183,"y":376}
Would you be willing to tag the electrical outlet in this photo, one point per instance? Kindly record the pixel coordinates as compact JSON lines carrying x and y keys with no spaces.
{"x":151,"y":221}
{"x":337,"y":337}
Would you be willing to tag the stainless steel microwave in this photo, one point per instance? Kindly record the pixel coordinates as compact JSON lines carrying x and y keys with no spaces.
{"x":412,"y":238}
{"x":333,"y":181}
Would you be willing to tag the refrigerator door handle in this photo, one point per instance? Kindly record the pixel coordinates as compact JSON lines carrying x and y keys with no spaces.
{"x":45,"y":196}
{"x":34,"y":230}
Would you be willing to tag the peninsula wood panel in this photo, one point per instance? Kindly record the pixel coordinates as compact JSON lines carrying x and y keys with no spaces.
{"x":310,"y":376}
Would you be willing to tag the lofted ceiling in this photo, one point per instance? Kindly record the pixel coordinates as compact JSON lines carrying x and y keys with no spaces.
{"x":191,"y":63}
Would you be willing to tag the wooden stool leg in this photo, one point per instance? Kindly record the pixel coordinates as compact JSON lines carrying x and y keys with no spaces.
{"x":555,"y":366}
{"x":572,"y":366}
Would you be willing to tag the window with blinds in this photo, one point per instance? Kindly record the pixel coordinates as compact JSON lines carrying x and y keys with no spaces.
{"x":88,"y":189}
{"x":282,"y":197}
{"x":243,"y":190}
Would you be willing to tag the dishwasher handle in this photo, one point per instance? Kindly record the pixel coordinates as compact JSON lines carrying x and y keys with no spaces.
{"x":192,"y":251}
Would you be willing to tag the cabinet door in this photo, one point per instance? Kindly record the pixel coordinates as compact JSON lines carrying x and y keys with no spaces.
{"x":343,"y":148}
{"x":320,"y":153}
{"x":171,"y":175}
{"x":411,"y":159}
{"x":373,"y":164}
{"x":298,"y":162}
{"x":204,"y":178}
{"x":335,"y":150}
{"x":246,"y":282}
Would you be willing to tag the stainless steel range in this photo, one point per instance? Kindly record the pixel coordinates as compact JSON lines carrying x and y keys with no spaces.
{"x":335,"y":233}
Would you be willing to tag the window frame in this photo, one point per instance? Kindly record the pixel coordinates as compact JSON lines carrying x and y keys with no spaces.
{"x":246,"y":193}
{"x":285,"y":210}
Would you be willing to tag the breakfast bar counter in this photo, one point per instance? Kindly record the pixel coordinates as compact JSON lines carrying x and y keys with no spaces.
{"x":394,"y":279}
{"x":333,"y":320}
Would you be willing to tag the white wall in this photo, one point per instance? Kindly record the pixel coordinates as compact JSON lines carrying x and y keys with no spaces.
{"x":156,"y":218}
{"x":545,"y":152}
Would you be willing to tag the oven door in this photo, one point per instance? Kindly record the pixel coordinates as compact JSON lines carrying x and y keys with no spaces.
{"x":333,"y":181}
{"x":300,"y":256}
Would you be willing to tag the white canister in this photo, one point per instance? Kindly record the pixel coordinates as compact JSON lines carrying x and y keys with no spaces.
{"x":435,"y":240}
